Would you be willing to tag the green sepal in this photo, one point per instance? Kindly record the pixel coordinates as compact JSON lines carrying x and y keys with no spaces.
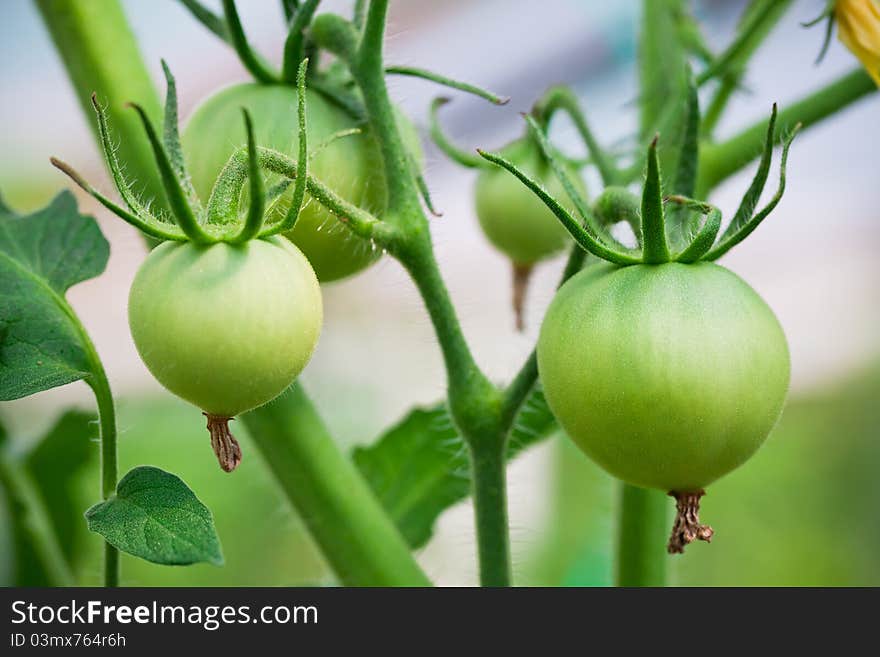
{"x":171,"y":139}
{"x":704,"y":238}
{"x":746,"y":229}
{"x":603,"y":235}
{"x":655,"y":249}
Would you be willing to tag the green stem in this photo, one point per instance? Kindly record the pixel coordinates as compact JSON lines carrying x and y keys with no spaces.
{"x":641,"y":537}
{"x":356,"y":536}
{"x":719,"y":161}
{"x":524,"y":382}
{"x":760,"y":18}
{"x":294,"y":46}
{"x":661,"y":62}
{"x":109,"y":466}
{"x":442,"y":80}
{"x":758,"y":21}
{"x":489,"y":488}
{"x":467,"y":159}
{"x":469,"y":389}
{"x":97,"y":381}
{"x":718,"y":103}
{"x":99,"y":51}
{"x":253,"y":62}
{"x":22,"y":494}
{"x":562,"y":98}
{"x":474,"y":402}
{"x":404,"y":203}
{"x":476,"y":407}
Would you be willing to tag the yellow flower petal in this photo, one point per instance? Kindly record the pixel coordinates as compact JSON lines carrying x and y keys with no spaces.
{"x":858,"y":28}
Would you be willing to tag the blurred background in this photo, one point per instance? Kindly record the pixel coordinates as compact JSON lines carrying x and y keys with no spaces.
{"x":805,"y":510}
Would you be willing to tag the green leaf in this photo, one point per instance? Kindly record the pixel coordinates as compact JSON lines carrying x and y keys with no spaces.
{"x":155,"y":516}
{"x":419,"y":468}
{"x":42,"y":344}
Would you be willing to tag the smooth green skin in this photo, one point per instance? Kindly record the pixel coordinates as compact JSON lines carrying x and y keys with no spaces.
{"x":351,"y":166}
{"x":514,"y":219}
{"x":225,"y":327}
{"x":668,"y":376}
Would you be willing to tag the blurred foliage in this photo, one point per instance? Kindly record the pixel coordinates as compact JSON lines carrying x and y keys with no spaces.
{"x":54,"y":465}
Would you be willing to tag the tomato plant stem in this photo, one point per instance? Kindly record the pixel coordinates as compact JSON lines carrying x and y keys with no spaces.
{"x":468,"y":387}
{"x":641,"y":537}
{"x":369,"y":72}
{"x":489,"y":476}
{"x":109,"y":467}
{"x":474,"y":402}
{"x":756,"y":24}
{"x":718,"y":162}
{"x":358,"y":539}
{"x":99,"y":51}
{"x":479,"y":414}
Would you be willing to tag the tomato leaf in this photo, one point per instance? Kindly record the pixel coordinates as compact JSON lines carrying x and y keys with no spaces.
{"x":155,"y":516}
{"x":42,"y":344}
{"x":419,"y":468}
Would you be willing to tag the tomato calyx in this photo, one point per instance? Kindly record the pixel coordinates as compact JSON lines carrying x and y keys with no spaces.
{"x":220,"y":220}
{"x":223,"y":443}
{"x":689,"y":241}
{"x":687,"y":527}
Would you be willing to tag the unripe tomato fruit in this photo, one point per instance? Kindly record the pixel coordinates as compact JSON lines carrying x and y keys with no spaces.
{"x":225,"y":327}
{"x":668,"y":376}
{"x":514,"y":219}
{"x":350,"y":166}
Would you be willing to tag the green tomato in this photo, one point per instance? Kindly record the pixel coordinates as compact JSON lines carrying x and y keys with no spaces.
{"x":351,"y":165}
{"x":668,"y":376}
{"x":225,"y":327}
{"x":514,"y":219}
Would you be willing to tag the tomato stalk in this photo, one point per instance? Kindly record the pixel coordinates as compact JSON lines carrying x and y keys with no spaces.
{"x":720,"y":161}
{"x":97,"y":381}
{"x":356,"y":536}
{"x":757,"y":22}
{"x":475,"y":403}
{"x":489,"y":474}
{"x":99,"y":51}
{"x":642,"y":528}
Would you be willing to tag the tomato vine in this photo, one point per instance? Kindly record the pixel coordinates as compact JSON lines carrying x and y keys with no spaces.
{"x":673,"y":225}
